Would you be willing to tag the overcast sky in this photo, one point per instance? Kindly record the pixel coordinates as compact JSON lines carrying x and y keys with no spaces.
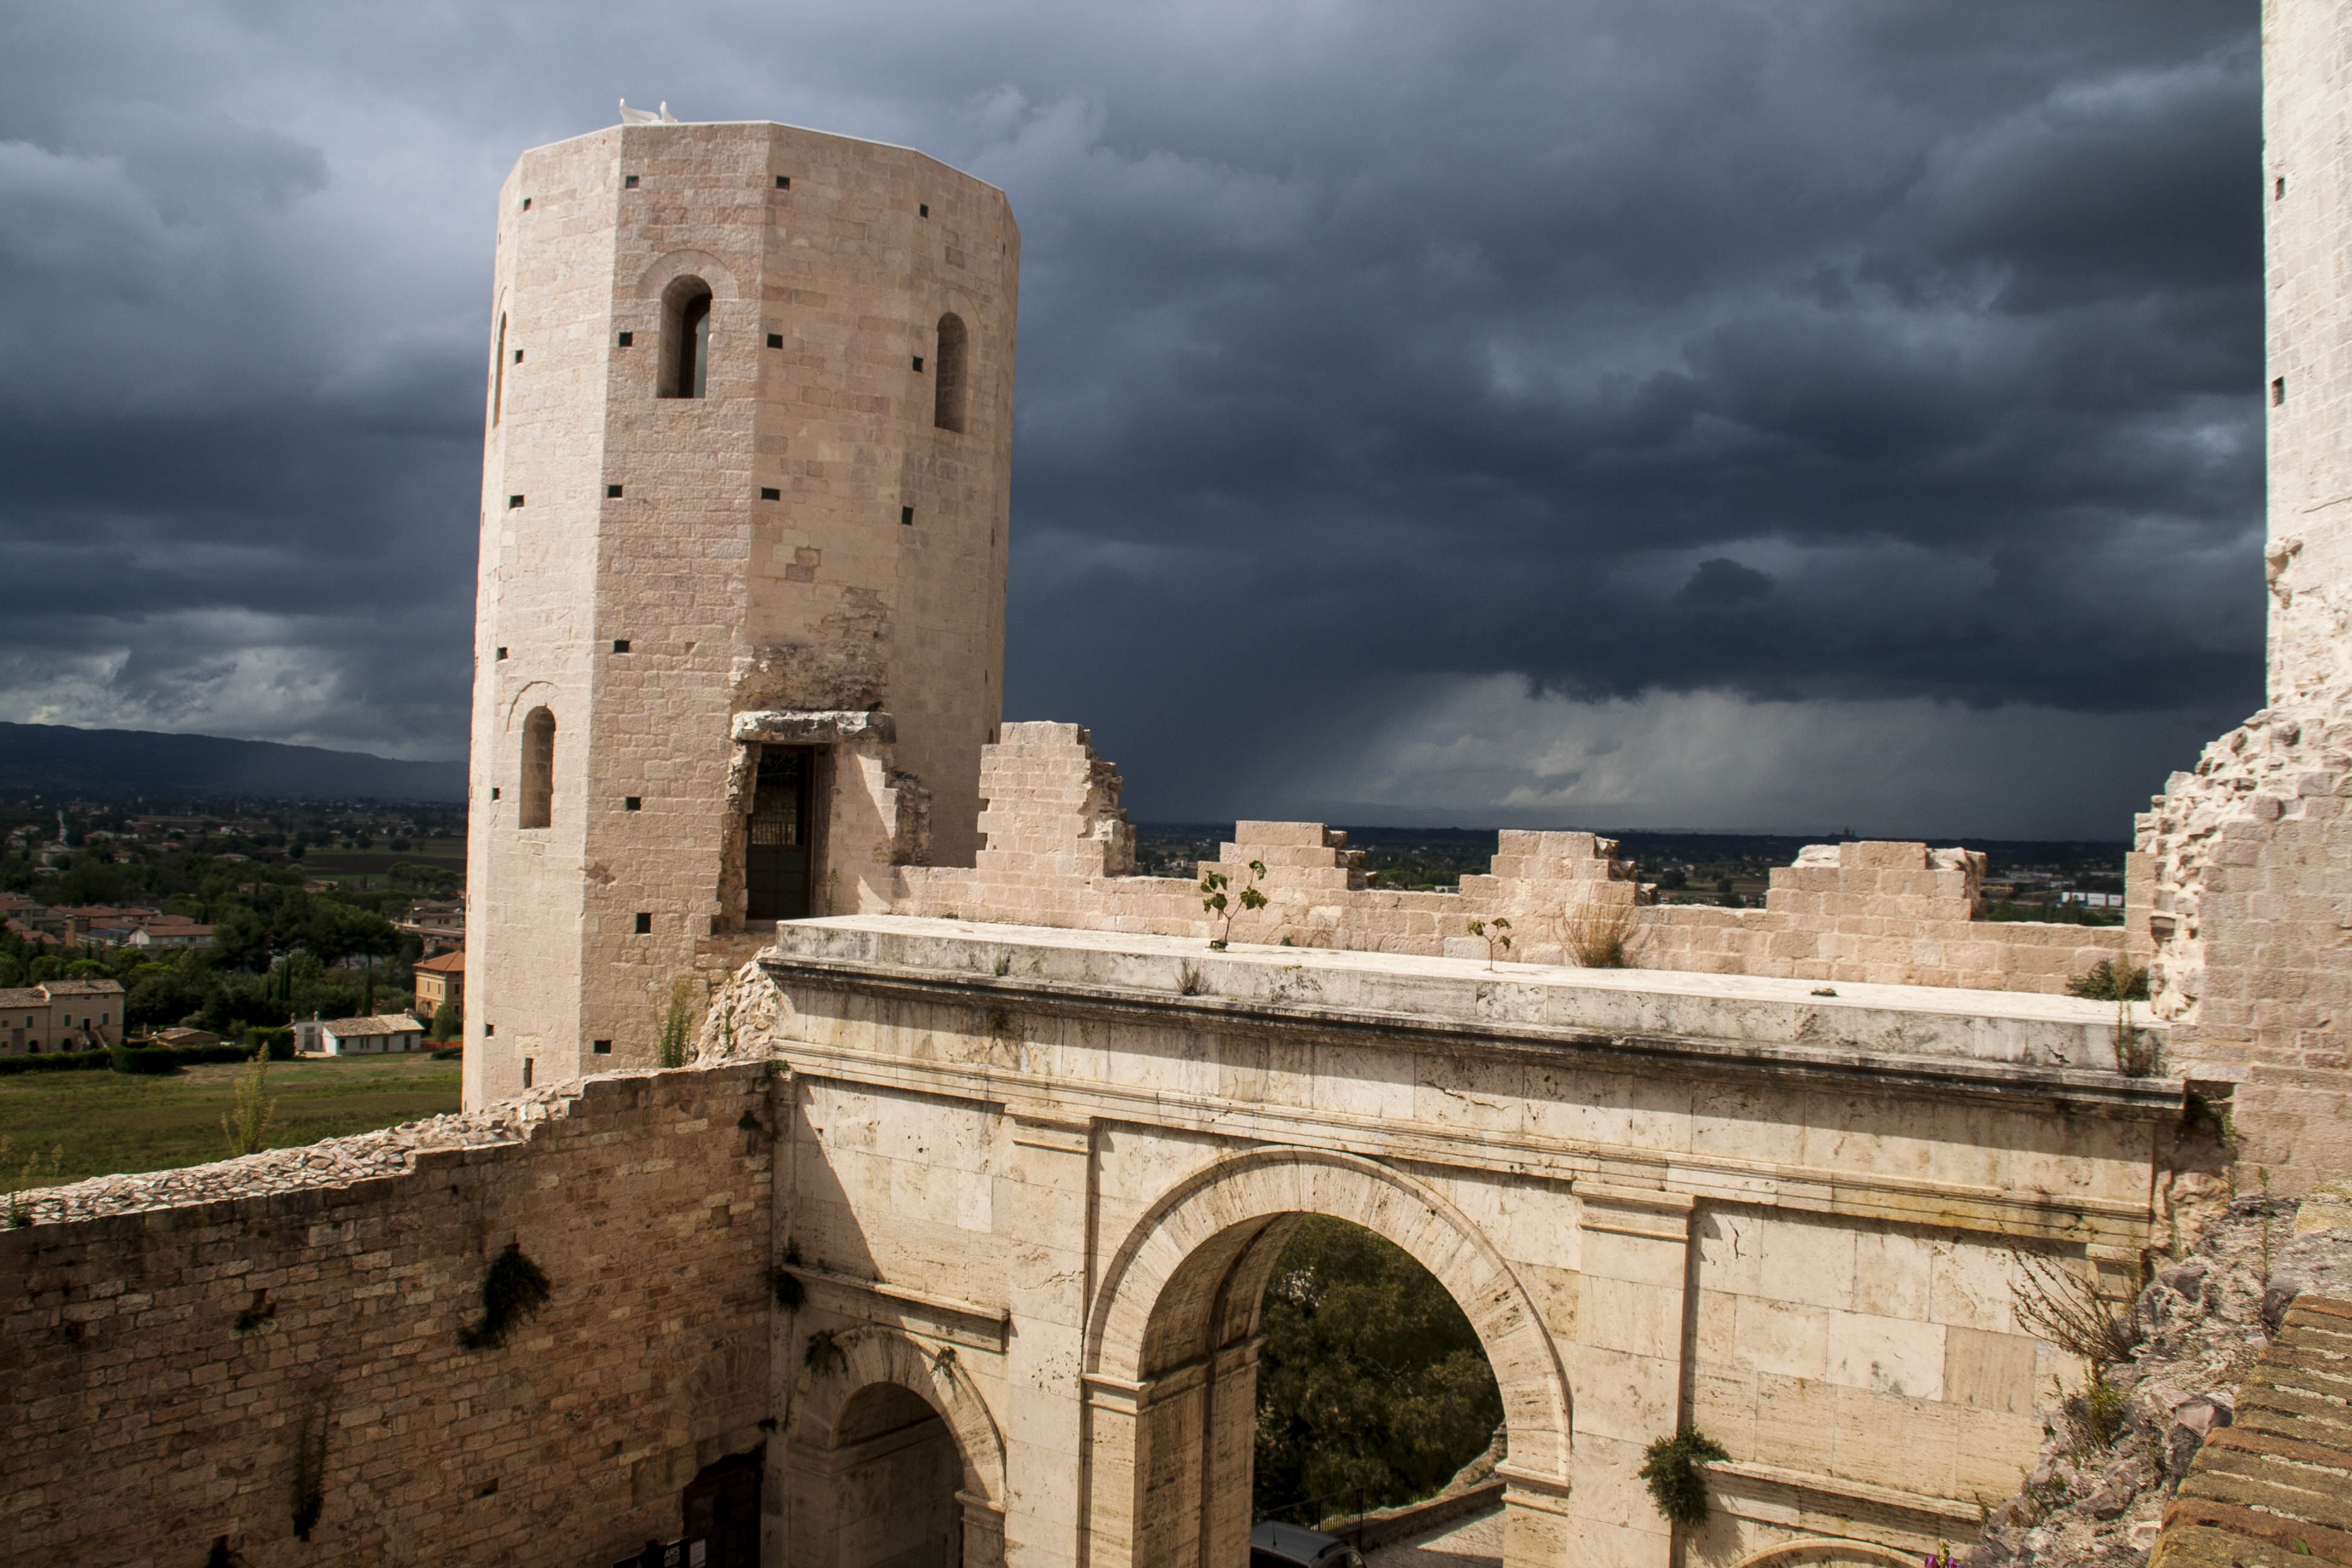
{"x":1752,"y":415}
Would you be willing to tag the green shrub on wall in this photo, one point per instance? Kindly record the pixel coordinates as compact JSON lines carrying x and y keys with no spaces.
{"x":1669,"y":1469}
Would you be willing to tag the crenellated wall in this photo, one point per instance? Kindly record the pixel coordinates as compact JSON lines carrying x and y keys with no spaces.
{"x":1059,"y":851}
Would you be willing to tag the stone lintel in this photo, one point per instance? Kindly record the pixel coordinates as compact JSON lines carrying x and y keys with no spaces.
{"x":815,"y":726}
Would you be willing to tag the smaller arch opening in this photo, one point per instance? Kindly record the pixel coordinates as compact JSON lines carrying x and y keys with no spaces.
{"x":685,"y":339}
{"x":535,"y":804}
{"x":901,"y":1471}
{"x":947,"y":405}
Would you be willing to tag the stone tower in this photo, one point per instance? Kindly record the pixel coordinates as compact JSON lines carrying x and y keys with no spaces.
{"x":2242,"y":878}
{"x":738,"y":624}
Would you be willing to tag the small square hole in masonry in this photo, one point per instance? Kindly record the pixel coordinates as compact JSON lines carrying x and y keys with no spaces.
{"x":644,"y":925}
{"x":628,"y":181}
{"x":601,"y":1047}
{"x":907,"y":516}
{"x":620,"y":645}
{"x":513,"y":502}
{"x":489,"y":1030}
{"x":2278,"y":189}
{"x":783,"y":182}
{"x":502,"y":653}
{"x":775,"y":339}
{"x":633,"y":803}
{"x":612,"y":492}
{"x":518,"y":356}
{"x":627,"y":338}
{"x":918,"y":362}
{"x":2278,"y":392}
{"x":526,"y":203}
{"x":494,"y":792}
{"x":922,"y":209}
{"x":768,"y":492}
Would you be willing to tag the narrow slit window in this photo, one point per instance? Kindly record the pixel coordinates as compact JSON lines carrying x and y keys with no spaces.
{"x":526,"y":1065}
{"x":947,"y":398}
{"x":688,"y":313}
{"x":518,"y":356}
{"x":907,"y":516}
{"x":2278,"y":189}
{"x":499,"y":374}
{"x":537,"y":806}
{"x":2278,"y":392}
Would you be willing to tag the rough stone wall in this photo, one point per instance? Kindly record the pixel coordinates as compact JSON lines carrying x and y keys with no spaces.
{"x":1060,"y":852}
{"x":2243,"y":862}
{"x":176,"y":1343}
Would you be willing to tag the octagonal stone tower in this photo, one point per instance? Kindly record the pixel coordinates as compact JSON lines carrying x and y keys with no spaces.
{"x":738,"y":630}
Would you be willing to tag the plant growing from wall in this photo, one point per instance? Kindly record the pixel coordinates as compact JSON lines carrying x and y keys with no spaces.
{"x":1597,"y":932}
{"x":310,"y":1461}
{"x":2110,"y":980}
{"x":1496,"y":933}
{"x":823,"y":1356}
{"x":512,"y":1291}
{"x":791,"y":1294}
{"x":676,"y":1024}
{"x":1213,"y":899}
{"x":2138,"y":1052}
{"x":2063,"y":1306}
{"x":246,"y":1124}
{"x":1669,"y":1469}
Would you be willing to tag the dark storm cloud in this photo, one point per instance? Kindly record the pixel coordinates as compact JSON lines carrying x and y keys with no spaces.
{"x":1812,"y":353}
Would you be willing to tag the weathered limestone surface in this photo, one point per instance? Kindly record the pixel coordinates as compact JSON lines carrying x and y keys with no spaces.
{"x":143,"y":1423}
{"x":818,"y":614}
{"x":2245,"y":858}
{"x":1057,"y":850}
{"x":1072,"y":1158}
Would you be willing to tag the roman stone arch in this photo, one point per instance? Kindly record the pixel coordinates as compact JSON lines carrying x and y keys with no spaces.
{"x":874,"y":1357}
{"x":1171,"y":1347}
{"x":1826,"y":1551}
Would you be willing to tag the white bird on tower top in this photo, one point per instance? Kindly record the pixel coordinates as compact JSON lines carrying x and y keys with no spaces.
{"x":646,"y":116}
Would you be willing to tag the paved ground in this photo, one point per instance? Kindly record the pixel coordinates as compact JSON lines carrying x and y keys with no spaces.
{"x":1473,"y":1543}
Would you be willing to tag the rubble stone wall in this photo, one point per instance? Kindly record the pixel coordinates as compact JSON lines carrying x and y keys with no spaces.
{"x":1059,"y":851}
{"x":193,"y":1354}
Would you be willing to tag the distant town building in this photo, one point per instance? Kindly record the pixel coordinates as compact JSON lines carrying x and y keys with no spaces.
{"x":435,"y":919}
{"x":383,"y":1033}
{"x":440,"y":980}
{"x":61,"y":1015}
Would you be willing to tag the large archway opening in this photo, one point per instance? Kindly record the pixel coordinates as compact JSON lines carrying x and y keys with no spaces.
{"x":1175,"y":1346}
{"x":1372,"y":1390}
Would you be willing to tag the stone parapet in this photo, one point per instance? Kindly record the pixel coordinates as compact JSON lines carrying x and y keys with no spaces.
{"x":1060,"y":852}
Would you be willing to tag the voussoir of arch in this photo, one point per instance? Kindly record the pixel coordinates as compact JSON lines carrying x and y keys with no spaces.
{"x":873,"y":1353}
{"x":680,"y":263}
{"x":1825,"y":1550}
{"x":534,"y":694}
{"x":1276,"y":1180}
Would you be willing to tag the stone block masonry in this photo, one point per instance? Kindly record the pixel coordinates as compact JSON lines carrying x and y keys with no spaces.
{"x":1059,"y":851}
{"x":191,"y":1355}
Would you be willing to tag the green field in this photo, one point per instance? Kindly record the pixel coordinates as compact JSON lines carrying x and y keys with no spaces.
{"x":106,"y":1123}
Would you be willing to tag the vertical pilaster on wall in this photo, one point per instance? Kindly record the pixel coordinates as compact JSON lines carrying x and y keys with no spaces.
{"x":1625,"y":1366}
{"x":1044,"y":1202}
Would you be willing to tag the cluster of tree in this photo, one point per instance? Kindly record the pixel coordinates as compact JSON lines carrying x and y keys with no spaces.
{"x":1369,"y":1376}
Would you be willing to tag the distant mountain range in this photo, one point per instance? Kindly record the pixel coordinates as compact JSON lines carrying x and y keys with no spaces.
{"x":112,"y":764}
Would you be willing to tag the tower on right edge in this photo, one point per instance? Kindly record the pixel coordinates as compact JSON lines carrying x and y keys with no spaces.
{"x":2242,"y":882}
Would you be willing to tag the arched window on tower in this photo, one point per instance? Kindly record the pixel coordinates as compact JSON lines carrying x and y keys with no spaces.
{"x":947,"y":408}
{"x":498,"y":372}
{"x":685,"y":338}
{"x":535,"y":806}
